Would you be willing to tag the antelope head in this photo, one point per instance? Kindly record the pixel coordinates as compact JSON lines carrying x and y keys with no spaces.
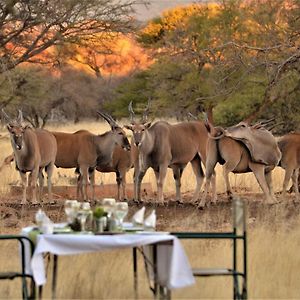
{"x":138,"y":128}
{"x":118,"y":132}
{"x":242,"y":131}
{"x":16,"y":129}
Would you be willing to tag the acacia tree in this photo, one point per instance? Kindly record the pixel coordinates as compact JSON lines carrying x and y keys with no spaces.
{"x":27,"y":28}
{"x":235,"y":45}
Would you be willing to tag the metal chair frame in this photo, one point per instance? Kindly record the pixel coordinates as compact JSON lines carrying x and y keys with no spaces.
{"x":235,"y":235}
{"x":21,"y":274}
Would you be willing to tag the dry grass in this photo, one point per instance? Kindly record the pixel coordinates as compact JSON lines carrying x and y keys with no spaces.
{"x":273,"y":261}
{"x":273,"y":245}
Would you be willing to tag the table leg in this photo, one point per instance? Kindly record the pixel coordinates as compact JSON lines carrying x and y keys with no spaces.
{"x":156,"y":285}
{"x":54,"y":276}
{"x":160,"y":292}
{"x":40,"y":292}
{"x":135,"y":274}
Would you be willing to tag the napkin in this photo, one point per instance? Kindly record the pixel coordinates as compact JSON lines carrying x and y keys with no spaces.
{"x":138,"y":217}
{"x":150,"y":221}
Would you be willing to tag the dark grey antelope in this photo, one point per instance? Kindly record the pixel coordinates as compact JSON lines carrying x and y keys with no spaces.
{"x":241,"y":149}
{"x":84,"y":151}
{"x":34,"y":150}
{"x":163,"y":145}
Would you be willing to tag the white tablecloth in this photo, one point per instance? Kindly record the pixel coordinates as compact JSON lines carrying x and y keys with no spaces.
{"x":173,"y":267}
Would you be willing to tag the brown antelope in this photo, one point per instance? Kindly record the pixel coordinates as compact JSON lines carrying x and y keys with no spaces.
{"x":163,"y":145}
{"x":289,"y":146}
{"x":84,"y":150}
{"x":34,"y":149}
{"x":242,"y":149}
{"x":121,"y":163}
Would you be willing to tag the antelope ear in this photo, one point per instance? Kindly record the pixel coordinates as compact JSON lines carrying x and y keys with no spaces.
{"x":129,"y":127}
{"x":20,"y":117}
{"x":147,"y":125}
{"x":9,"y":128}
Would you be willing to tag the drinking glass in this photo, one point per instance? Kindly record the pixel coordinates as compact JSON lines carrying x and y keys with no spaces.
{"x":83,"y":214}
{"x":69,"y":210}
{"x":121,"y":210}
{"x":39,"y":218}
{"x":75,"y":208}
{"x":109,"y":205}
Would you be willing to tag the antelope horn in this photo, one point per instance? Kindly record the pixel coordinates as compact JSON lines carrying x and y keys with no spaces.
{"x":132,"y":115}
{"x":108,"y":119}
{"x":146,"y":111}
{"x":275,"y":125}
{"x":262,"y":123}
{"x":5,"y":116}
{"x":190,"y":115}
{"x":20,"y":117}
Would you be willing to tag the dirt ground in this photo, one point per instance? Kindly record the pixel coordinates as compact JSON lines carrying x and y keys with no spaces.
{"x":170,"y":215}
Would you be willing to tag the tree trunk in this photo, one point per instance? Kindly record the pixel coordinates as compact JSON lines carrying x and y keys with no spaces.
{"x":209,"y":112}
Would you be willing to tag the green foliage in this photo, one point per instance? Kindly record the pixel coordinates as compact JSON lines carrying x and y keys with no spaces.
{"x":99,"y":212}
{"x":133,"y":89}
{"x":237,"y":107}
{"x":227,"y":56}
{"x":285,"y":106}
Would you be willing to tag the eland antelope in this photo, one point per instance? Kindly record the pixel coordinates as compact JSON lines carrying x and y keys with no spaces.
{"x":84,"y":151}
{"x":34,"y":150}
{"x":241,"y":149}
{"x":120,"y":164}
{"x":162,"y":145}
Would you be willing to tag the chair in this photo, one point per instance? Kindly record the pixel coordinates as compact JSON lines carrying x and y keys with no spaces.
{"x":238,"y":233}
{"x":22,"y":240}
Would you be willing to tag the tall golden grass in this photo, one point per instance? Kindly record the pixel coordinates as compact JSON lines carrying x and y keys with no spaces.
{"x":273,"y":246}
{"x":273,"y":269}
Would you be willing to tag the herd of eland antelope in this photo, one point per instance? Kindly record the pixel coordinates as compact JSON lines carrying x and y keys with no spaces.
{"x":240,"y":149}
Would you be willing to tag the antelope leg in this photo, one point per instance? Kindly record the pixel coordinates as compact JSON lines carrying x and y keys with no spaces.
{"x":198,"y":171}
{"x":287,"y":177}
{"x":41,"y":183}
{"x":33,"y":179}
{"x":118,"y":180}
{"x":177,"y":172}
{"x":24,"y":186}
{"x":49,"y":171}
{"x":160,"y":182}
{"x":259,"y":173}
{"x":295,"y":178}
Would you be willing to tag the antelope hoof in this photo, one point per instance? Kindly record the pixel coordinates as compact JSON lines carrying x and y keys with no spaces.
{"x":201,"y":205}
{"x":137,"y":201}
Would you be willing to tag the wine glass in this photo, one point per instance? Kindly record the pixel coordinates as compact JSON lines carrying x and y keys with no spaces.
{"x":109,"y":205}
{"x":121,"y":210}
{"x":83,"y":214}
{"x":39,"y":218}
{"x":69,"y":210}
